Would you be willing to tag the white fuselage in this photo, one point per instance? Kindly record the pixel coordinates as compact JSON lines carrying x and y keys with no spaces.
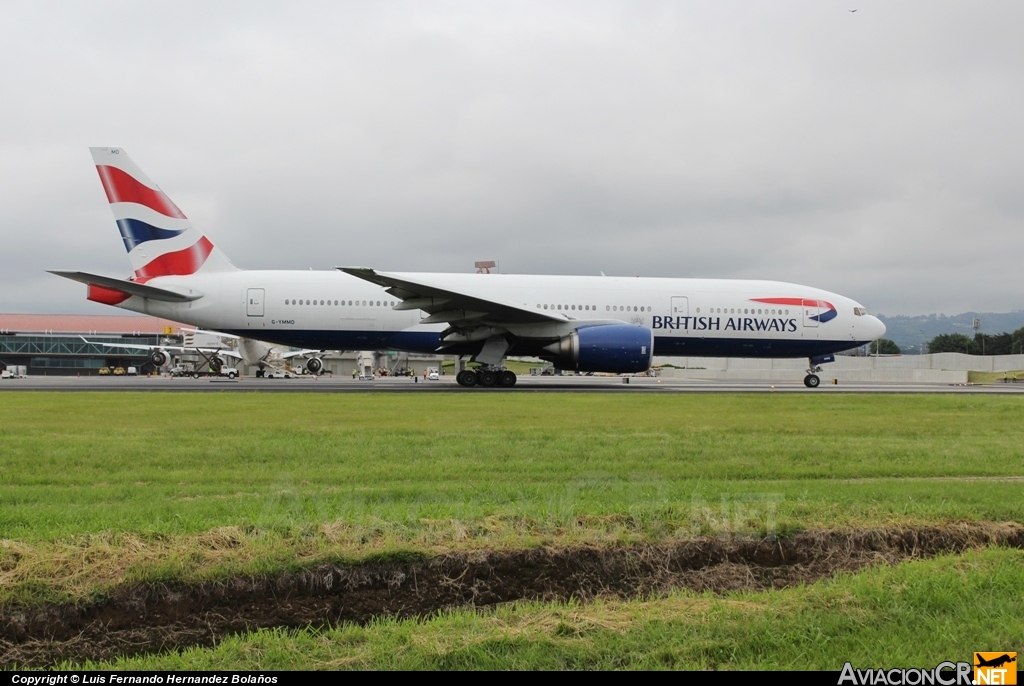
{"x":333,"y":310}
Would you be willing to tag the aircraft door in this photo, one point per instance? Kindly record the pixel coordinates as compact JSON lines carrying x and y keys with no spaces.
{"x":680,"y":306}
{"x":254,"y":302}
{"x":811,"y":312}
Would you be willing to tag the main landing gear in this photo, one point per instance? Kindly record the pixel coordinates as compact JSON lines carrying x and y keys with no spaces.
{"x":486,"y":377}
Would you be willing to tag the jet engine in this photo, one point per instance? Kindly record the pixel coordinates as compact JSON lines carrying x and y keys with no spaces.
{"x":159,"y":358}
{"x":314,"y":365}
{"x":613,"y":348}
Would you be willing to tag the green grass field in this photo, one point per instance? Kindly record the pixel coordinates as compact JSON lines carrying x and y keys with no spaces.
{"x":101,"y":489}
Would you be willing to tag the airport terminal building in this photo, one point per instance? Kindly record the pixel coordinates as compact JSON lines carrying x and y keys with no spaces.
{"x":52,"y":344}
{"x":67,"y":345}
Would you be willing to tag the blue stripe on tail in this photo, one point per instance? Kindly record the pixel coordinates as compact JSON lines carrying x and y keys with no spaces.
{"x":134,"y":232}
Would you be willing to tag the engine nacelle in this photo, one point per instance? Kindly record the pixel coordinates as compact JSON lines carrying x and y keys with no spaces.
{"x":159,"y":358}
{"x":216,"y":364}
{"x":314,"y":365}
{"x":613,"y":348}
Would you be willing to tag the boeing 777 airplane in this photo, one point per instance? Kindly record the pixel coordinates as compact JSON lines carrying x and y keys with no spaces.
{"x":581,"y":323}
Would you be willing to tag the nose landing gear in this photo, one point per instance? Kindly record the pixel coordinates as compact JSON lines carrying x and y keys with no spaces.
{"x":812,"y":380}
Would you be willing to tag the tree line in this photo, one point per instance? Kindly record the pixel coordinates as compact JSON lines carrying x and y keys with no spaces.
{"x":981,"y":344}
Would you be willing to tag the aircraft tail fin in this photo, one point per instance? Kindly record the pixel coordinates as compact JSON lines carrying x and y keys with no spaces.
{"x":159,"y":238}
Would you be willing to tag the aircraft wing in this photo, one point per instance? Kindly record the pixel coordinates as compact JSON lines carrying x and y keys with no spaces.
{"x":128,"y":287}
{"x":220,"y":352}
{"x":454,"y":307}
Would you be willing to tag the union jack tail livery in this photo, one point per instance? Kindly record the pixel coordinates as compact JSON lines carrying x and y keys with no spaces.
{"x":159,"y":238}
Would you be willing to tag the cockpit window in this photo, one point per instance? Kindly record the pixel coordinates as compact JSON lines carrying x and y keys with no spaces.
{"x":860,"y":311}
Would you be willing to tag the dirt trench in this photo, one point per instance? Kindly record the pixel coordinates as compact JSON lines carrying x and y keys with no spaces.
{"x":150,"y":618}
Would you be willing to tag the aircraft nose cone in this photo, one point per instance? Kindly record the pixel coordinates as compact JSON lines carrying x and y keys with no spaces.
{"x":876,"y":328}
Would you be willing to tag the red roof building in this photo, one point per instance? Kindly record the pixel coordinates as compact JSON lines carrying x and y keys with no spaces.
{"x":86,"y":324}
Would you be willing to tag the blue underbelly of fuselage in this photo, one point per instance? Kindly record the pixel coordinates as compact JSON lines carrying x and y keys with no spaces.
{"x":429,"y":342}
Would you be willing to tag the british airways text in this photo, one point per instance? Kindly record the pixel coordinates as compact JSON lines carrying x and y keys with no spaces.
{"x":716,"y":324}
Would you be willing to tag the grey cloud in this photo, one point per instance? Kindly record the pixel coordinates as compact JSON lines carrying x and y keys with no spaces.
{"x":875,"y":154}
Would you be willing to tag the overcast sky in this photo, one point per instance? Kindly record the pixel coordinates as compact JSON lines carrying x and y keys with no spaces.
{"x":875,"y":153}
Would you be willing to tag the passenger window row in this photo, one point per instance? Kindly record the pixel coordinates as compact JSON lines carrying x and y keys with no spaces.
{"x":544,"y":306}
{"x":593,"y":308}
{"x":342,"y":303}
{"x":541,"y":306}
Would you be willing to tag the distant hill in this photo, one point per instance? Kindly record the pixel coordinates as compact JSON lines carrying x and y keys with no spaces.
{"x":909,"y":332}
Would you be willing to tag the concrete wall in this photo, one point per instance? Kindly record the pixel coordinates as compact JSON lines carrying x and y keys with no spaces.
{"x":937,"y":368}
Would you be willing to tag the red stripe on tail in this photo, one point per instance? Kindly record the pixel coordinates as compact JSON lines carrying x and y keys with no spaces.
{"x":181,"y":263}
{"x":120,"y":187}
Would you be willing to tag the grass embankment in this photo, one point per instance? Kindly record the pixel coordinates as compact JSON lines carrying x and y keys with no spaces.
{"x":913,"y":615}
{"x":96,"y":489}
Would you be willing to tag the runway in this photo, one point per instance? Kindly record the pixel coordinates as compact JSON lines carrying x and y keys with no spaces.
{"x":526,"y":384}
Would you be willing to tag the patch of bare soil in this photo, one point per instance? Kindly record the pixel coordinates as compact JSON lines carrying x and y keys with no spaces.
{"x":143,"y":619}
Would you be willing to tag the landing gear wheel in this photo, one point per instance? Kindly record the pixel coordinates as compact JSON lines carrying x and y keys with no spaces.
{"x":811,"y":381}
{"x":487,"y":378}
{"x":466,"y":378}
{"x":506,"y":379}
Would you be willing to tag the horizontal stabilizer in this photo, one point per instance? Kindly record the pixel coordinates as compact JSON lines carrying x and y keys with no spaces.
{"x":129,"y":287}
